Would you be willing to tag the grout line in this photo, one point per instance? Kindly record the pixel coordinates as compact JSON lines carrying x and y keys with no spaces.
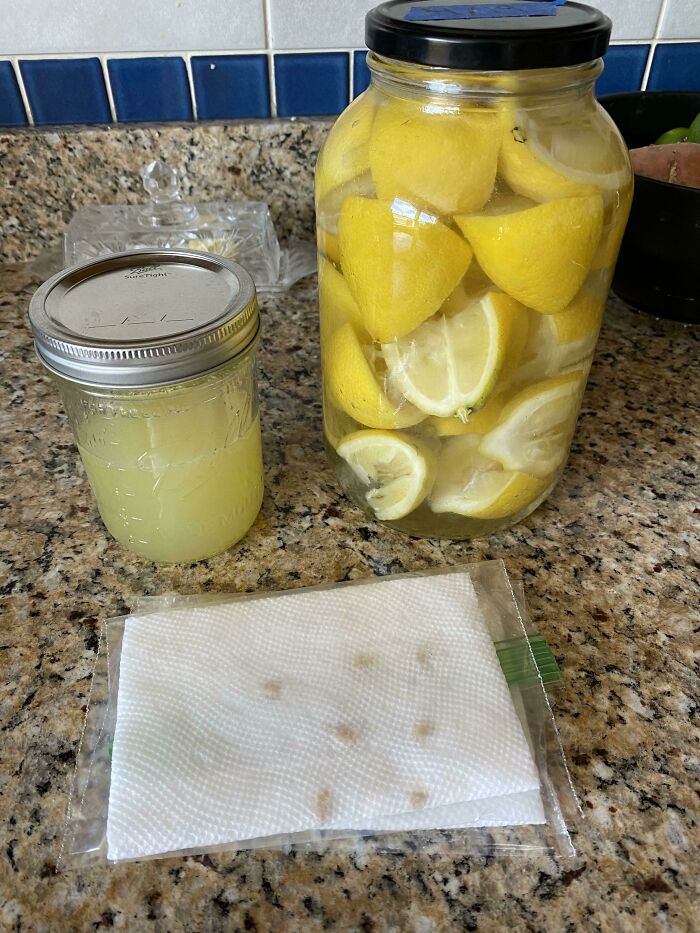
{"x":170,"y":53}
{"x":352,"y":76}
{"x":267,"y":23}
{"x":654,"y":42}
{"x":660,"y":19}
{"x":22,"y":90}
{"x":272,"y":82}
{"x":190,"y":81}
{"x":108,"y":86}
{"x":179,"y":53}
{"x":649,"y":63}
{"x":646,"y":41}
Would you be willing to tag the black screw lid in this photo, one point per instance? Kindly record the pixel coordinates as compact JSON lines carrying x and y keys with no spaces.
{"x":488,"y":35}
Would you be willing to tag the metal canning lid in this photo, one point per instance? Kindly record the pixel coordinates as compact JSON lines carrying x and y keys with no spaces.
{"x":144,"y":318}
{"x":488,"y":35}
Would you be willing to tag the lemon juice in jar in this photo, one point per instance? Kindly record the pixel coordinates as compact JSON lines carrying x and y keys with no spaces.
{"x":470,"y":206}
{"x":158,"y":379}
{"x":174,"y":476}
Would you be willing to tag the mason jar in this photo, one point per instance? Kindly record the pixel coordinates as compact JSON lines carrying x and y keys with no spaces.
{"x":154,"y":353}
{"x":470,"y":207}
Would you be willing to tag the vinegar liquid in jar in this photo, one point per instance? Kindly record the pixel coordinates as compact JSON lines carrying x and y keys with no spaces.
{"x":470,"y":207}
{"x":155,"y":357}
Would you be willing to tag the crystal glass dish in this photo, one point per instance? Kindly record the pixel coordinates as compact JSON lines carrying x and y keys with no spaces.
{"x":242,"y":231}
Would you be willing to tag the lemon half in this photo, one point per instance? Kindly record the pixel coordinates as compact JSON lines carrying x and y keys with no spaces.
{"x":533,"y":433}
{"x":449,"y":365}
{"x":473,"y":485}
{"x":400,"y":264}
{"x":540,"y":255}
{"x":353,"y":384}
{"x":399,"y":470}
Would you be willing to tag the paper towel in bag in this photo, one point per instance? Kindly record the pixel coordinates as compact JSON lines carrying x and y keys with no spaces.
{"x":370,"y":707}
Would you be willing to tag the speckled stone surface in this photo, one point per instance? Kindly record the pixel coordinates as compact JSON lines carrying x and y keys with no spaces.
{"x":610,"y":566}
{"x":46,"y":176}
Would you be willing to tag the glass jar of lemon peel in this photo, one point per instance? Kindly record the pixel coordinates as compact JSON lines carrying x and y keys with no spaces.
{"x":468,"y":224}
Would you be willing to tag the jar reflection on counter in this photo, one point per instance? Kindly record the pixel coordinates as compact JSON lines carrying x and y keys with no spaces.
{"x":176,"y":470}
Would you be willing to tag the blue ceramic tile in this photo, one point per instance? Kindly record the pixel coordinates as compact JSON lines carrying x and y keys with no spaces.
{"x":675,"y":67}
{"x":231,"y":86}
{"x":11,"y":106}
{"x":624,"y":69}
{"x":66,"y":90}
{"x":312,"y":84}
{"x":360,"y":81}
{"x":150,"y":89}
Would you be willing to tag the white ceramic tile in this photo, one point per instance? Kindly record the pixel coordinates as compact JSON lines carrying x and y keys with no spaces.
{"x":46,"y":26}
{"x":319,"y":24}
{"x":632,"y":19}
{"x":313,"y":24}
{"x":681,"y":20}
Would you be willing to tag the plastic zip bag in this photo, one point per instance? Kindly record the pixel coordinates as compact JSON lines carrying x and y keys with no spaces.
{"x":503,"y":608}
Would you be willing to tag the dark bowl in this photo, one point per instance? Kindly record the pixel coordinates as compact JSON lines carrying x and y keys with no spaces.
{"x":658,"y":269}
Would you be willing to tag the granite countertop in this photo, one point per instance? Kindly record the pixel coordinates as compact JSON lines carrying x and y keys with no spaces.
{"x":610,"y":567}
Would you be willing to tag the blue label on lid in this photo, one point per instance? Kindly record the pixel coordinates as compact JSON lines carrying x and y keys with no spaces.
{"x":435,"y":12}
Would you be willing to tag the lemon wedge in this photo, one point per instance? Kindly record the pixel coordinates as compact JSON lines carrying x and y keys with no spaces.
{"x":328,"y":245}
{"x":439,"y":158}
{"x":559,"y":341}
{"x":540,"y":255}
{"x":400,"y":264}
{"x":557,"y":156}
{"x":449,"y":365}
{"x":337,"y":305}
{"x":336,"y":423}
{"x":473,"y":485}
{"x":353,"y":384}
{"x":478,"y":422}
{"x":329,"y":207}
{"x":580,"y":321}
{"x":472,"y":286}
{"x":533,"y":433}
{"x":614,"y":229}
{"x":345,"y":154}
{"x":399,"y":470}
{"x":531,"y":176}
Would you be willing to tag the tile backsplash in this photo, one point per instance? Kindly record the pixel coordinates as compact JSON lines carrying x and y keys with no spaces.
{"x":85,"y":62}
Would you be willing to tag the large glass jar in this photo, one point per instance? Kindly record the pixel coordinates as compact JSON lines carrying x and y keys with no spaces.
{"x":468,"y":226}
{"x":154,"y":354}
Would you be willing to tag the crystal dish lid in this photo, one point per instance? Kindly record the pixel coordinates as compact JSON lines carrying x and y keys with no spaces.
{"x":242,"y":231}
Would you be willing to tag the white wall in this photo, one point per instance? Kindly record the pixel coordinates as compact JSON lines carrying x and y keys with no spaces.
{"x":48,"y":27}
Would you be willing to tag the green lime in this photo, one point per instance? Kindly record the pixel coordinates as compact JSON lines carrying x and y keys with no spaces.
{"x":694,"y":130}
{"x":678,"y":135}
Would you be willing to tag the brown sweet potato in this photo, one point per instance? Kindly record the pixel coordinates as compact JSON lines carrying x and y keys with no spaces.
{"x":678,"y":163}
